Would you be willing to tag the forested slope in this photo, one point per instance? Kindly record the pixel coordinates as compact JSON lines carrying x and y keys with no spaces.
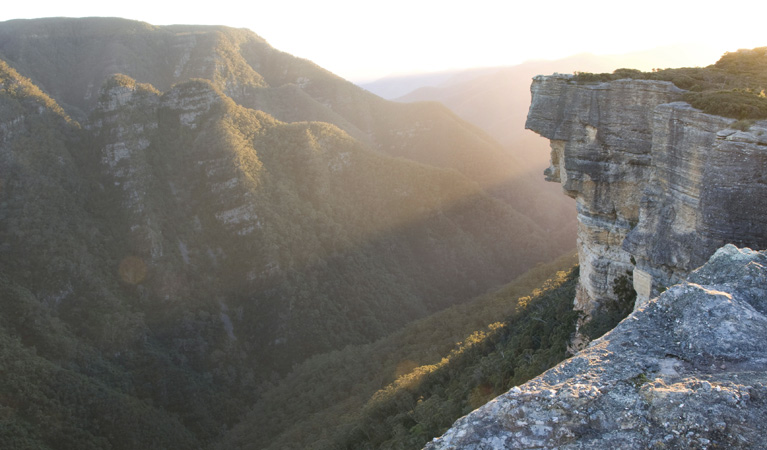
{"x":171,"y":250}
{"x":72,"y":58}
{"x":401,"y":391}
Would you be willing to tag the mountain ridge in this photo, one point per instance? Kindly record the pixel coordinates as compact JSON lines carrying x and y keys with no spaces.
{"x":255,"y":75}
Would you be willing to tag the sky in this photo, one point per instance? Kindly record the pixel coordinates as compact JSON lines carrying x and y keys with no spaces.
{"x":362,"y":40}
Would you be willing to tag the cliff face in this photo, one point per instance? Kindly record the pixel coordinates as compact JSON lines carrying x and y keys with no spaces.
{"x":659,"y":185}
{"x":685,"y":370}
{"x":708,"y":188}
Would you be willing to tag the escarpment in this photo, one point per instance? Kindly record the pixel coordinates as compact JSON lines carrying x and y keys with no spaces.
{"x":659,"y":185}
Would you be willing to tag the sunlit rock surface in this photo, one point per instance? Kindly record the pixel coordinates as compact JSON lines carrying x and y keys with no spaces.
{"x":659,"y":185}
{"x":685,"y":370}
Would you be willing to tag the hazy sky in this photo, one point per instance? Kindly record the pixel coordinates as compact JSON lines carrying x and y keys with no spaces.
{"x":361,"y":40}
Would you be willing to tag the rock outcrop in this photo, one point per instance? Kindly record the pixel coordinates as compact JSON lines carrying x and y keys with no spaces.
{"x":659,"y":185}
{"x":685,"y":370}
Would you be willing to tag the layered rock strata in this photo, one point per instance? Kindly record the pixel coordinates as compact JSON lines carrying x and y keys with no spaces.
{"x":659,"y":186}
{"x":708,"y":187}
{"x":685,"y":370}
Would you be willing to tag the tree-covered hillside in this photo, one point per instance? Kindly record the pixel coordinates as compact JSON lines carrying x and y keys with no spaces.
{"x":71,"y":59}
{"x":187,"y":215}
{"x":402,"y":391}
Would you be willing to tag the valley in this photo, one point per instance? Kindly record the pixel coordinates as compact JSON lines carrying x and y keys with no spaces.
{"x":189,"y":216}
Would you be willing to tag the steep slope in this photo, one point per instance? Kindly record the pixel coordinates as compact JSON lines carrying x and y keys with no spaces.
{"x":46,"y":177}
{"x":361,"y":396}
{"x":274,"y":210}
{"x":85,"y":52}
{"x":128,"y":129}
{"x":65,"y":320}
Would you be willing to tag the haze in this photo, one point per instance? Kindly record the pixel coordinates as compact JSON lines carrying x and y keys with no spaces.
{"x":362,"y":41}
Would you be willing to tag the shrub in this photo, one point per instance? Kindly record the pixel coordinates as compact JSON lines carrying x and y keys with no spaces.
{"x":736,"y":103}
{"x":733,"y":87}
{"x":742,"y":125}
{"x":609,"y":315}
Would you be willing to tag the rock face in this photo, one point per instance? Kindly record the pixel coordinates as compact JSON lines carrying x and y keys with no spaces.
{"x":685,"y":370}
{"x":708,"y":188}
{"x":659,"y":185}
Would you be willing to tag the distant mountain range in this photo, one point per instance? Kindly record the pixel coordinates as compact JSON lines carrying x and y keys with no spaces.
{"x":497,"y":98}
{"x":395,"y":86}
{"x":186,"y":213}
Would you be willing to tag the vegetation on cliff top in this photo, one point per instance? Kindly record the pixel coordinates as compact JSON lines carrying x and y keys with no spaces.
{"x":733,"y":87}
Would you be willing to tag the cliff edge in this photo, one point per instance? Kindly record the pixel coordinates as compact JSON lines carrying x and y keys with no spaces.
{"x":685,"y":370}
{"x":659,"y":185}
{"x":674,"y":199}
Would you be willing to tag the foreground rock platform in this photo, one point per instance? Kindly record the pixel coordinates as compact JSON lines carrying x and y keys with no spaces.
{"x":688,"y":369}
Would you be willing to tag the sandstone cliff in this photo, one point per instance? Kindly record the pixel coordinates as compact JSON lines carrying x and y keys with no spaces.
{"x":659,"y":185}
{"x":685,"y":370}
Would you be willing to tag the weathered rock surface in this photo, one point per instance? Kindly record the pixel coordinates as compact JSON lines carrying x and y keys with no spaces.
{"x":659,"y":185}
{"x":708,"y":187}
{"x":685,"y":370}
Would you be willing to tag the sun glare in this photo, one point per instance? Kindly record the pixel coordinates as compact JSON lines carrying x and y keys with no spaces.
{"x":362,"y":41}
